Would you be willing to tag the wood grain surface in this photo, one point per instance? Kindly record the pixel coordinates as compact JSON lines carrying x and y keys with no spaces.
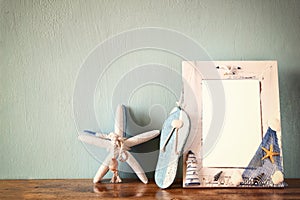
{"x":85,"y":189}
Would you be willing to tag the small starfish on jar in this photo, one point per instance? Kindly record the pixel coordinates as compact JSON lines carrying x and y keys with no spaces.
{"x":270,"y":153}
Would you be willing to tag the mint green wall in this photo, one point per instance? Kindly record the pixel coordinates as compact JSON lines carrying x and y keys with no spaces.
{"x":43,"y":44}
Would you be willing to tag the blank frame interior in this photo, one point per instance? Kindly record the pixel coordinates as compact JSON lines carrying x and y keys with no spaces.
{"x":241,"y":130}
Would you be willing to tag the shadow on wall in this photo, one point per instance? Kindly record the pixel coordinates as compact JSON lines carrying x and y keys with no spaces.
{"x":289,"y":87}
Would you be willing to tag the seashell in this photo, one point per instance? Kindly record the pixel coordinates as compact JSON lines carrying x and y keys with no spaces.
{"x":236,"y":178}
{"x":177,"y":123}
{"x":277,"y":177}
{"x":258,"y":180}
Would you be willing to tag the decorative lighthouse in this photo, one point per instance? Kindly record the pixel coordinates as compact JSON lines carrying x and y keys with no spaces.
{"x":192,"y":177}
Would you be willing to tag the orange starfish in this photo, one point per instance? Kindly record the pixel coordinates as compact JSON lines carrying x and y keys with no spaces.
{"x":269,"y":153}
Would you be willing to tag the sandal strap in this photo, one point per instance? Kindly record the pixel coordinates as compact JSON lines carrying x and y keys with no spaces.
{"x":167,"y":140}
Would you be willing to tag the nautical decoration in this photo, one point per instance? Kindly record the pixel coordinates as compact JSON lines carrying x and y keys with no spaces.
{"x":270,"y":153}
{"x":258,"y":180}
{"x":119,"y":146}
{"x":192,"y":177}
{"x":173,"y":136}
{"x":244,"y":149}
{"x":277,"y":177}
{"x":217,"y":176}
{"x":260,"y":171}
{"x":229,"y":70}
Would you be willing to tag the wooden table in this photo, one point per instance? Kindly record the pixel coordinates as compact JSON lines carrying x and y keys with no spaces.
{"x":85,"y":189}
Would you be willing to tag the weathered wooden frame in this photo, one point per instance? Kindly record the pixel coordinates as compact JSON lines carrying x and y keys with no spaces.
{"x":193,"y":72}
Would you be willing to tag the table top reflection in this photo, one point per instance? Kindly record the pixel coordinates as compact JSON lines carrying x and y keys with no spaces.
{"x":129,"y":188}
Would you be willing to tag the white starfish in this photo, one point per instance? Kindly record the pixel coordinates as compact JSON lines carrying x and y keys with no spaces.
{"x":116,"y":143}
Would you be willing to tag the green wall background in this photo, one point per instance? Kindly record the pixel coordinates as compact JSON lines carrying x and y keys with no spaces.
{"x":44,"y":43}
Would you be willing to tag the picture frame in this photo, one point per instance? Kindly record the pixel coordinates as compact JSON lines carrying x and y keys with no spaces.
{"x":237,"y":142}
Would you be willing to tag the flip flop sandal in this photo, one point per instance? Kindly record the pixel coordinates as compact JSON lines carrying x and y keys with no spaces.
{"x":173,"y":137}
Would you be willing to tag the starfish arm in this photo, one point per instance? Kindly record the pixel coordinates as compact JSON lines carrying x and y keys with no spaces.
{"x":266,"y":156}
{"x":90,"y":139}
{"x":271,"y":148}
{"x":141,"y":138}
{"x":265,"y":150}
{"x":272,"y":159}
{"x":103,"y":169}
{"x":132,"y":162}
{"x":120,"y":120}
